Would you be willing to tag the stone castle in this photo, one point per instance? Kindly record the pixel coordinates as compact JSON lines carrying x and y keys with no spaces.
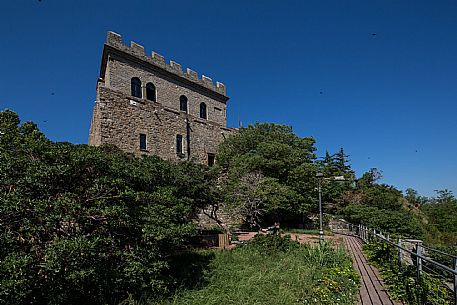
{"x":146,"y":106}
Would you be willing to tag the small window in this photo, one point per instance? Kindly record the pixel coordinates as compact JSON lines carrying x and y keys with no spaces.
{"x":150,"y":92}
{"x":211,"y":158}
{"x":136,"y":87}
{"x":203,"y":113}
{"x":183,"y":103}
{"x":142,"y":141}
{"x":179,"y":144}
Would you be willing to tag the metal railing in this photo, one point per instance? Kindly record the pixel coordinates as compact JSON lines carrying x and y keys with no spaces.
{"x":423,"y":263}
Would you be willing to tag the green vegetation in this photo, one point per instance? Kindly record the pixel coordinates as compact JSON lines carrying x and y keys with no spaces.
{"x":402,"y":281}
{"x":274,"y":270}
{"x":380,"y":206}
{"x":441,"y":213}
{"x":392,"y":221}
{"x":82,"y":221}
{"x":268,"y":175}
{"x":79,"y":221}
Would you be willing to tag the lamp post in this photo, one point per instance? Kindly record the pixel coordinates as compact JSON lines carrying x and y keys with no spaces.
{"x":319,"y":176}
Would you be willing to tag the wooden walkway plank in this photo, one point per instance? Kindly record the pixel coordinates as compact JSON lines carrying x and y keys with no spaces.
{"x":366,"y":288}
{"x":372,"y":290}
{"x":376,"y":278}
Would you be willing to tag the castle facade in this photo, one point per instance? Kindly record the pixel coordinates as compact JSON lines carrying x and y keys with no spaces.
{"x":146,"y":106}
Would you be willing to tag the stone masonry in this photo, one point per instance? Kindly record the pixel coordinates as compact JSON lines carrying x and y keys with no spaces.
{"x":121,"y":119}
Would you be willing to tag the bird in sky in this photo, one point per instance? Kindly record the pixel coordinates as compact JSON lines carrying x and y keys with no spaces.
{"x":373,"y":34}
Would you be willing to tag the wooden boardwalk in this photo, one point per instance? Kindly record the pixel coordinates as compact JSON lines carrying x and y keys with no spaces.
{"x":372,"y":289}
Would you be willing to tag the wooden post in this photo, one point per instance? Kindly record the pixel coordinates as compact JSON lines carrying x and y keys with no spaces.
{"x":399,"y":252}
{"x":388,"y":237}
{"x":223,"y":241}
{"x":418,"y":260}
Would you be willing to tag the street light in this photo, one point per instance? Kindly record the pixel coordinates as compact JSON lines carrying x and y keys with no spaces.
{"x":319,"y":176}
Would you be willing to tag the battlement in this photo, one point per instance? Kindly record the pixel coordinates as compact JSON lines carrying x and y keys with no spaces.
{"x":115,"y":40}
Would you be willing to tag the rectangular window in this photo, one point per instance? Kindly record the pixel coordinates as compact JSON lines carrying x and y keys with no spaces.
{"x":211,"y":158}
{"x":179,"y":144}
{"x":142,"y":141}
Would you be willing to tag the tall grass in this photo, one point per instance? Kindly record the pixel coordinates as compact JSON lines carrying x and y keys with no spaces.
{"x":271,"y":271}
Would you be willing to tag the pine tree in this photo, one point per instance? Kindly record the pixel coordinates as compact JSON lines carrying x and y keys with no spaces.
{"x":341,"y":164}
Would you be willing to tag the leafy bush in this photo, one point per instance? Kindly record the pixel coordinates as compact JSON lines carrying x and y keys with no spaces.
{"x":382,"y":196}
{"x":272,"y":243}
{"x":402,"y":281}
{"x":399,"y":222}
{"x":79,"y":221}
{"x":442,"y":215}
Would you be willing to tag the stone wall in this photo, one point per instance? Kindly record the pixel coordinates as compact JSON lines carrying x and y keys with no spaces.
{"x":168,"y":91}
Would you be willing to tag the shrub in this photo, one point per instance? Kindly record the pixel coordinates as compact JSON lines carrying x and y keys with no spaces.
{"x":79,"y":221}
{"x":402,"y":281}
{"x":272,"y":243}
{"x":398,"y":222}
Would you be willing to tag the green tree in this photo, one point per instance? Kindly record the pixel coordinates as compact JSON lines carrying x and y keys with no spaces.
{"x":369,"y":178}
{"x":341,"y":164}
{"x":441,"y":212}
{"x":338,"y":178}
{"x":381,"y":206}
{"x":270,"y":168}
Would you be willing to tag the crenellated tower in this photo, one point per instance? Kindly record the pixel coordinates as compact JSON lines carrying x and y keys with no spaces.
{"x":146,"y":106}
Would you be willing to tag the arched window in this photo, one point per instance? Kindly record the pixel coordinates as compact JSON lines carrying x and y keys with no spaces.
{"x":203,"y":113}
{"x":183,"y":103}
{"x":151,"y":92}
{"x":136,"y":87}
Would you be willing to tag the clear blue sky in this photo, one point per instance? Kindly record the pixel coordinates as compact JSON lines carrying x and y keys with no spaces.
{"x":389,"y":99}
